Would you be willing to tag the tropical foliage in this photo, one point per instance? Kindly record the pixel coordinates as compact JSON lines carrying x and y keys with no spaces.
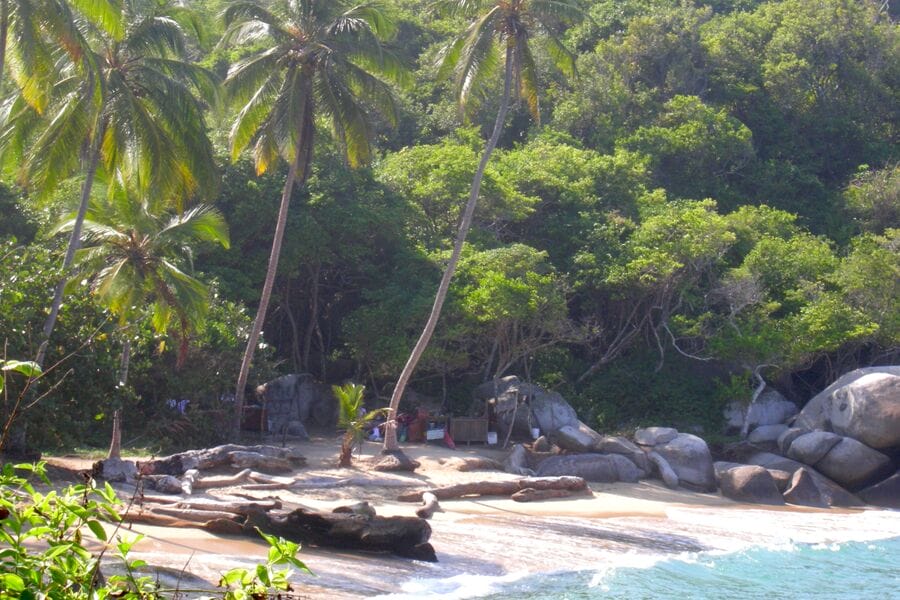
{"x":716,"y":190}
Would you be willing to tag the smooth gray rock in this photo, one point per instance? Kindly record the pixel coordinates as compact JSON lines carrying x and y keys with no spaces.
{"x":868,"y":410}
{"x":750,"y":483}
{"x":885,"y":494}
{"x":803,"y":491}
{"x":689,"y":457}
{"x":771,"y":408}
{"x":812,"y":447}
{"x":653,"y":436}
{"x":604,"y":468}
{"x":609,"y":444}
{"x":665,"y":470}
{"x":576,"y":438}
{"x":787,"y":438}
{"x":782,"y":479}
{"x":774,"y":461}
{"x":817,"y":412}
{"x":766,"y":433}
{"x":852,"y":463}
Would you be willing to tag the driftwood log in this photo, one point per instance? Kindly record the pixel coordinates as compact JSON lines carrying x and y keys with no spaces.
{"x":500,"y":488}
{"x":429,"y":506}
{"x":355,"y":530}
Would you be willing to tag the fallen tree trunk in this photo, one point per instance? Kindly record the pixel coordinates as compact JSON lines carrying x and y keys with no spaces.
{"x":533,"y":495}
{"x":499,"y":488}
{"x":232,"y":506}
{"x":190,"y":514}
{"x":208,"y":458}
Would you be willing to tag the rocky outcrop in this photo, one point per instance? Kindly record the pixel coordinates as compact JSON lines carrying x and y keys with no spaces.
{"x":803,"y":490}
{"x":604,"y":468}
{"x":832,"y":493}
{"x":817,"y":412}
{"x":868,"y":410}
{"x":750,"y":483}
{"x":852,"y":463}
{"x":537,"y":407}
{"x":885,"y":494}
{"x":294,"y":402}
{"x":812,"y":447}
{"x":690,"y":459}
{"x":609,"y":444}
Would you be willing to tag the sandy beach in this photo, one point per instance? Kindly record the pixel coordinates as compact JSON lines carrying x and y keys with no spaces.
{"x":491,"y":539}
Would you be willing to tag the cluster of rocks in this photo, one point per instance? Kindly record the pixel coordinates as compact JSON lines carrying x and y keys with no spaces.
{"x":842,"y":449}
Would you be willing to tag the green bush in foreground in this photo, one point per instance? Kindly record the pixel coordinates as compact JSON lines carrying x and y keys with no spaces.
{"x":44,"y":554}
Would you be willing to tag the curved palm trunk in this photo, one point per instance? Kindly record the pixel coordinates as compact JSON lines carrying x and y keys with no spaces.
{"x":74,"y":244}
{"x":297,"y":175}
{"x":390,"y":433}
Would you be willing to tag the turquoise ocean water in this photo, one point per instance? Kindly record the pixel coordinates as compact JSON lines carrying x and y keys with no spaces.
{"x":850,"y":570}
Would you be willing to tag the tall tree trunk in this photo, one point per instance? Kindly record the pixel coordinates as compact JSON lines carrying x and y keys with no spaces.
{"x":297,"y":174}
{"x":390,"y":437}
{"x":4,"y":35}
{"x":126,"y":361}
{"x":115,"y":444}
{"x":74,"y":244}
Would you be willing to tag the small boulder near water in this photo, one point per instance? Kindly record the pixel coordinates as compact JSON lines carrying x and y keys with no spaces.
{"x":803,"y":491}
{"x":750,"y":483}
{"x":576,"y":438}
{"x":852,"y":463}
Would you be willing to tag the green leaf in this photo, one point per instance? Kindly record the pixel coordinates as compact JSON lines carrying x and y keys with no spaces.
{"x":26,"y":368}
{"x":12,"y":582}
{"x":97,"y":529}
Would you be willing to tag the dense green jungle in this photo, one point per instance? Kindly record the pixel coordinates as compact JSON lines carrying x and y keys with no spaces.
{"x":685,"y":197}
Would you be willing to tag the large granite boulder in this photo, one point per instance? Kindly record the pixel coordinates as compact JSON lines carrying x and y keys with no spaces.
{"x":817,"y":412}
{"x":852,"y":463}
{"x":868,"y":410}
{"x":297,"y":398}
{"x":813,"y":446}
{"x":689,"y":457}
{"x":770,"y":408}
{"x":803,"y":491}
{"x":652,"y":436}
{"x":781,"y":478}
{"x":604,"y":468}
{"x":545,"y":409}
{"x":576,"y":438}
{"x":885,"y":494}
{"x":750,"y":483}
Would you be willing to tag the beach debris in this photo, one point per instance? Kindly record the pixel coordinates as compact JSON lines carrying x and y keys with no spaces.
{"x":231,"y":455}
{"x":395,"y":461}
{"x":533,"y":495}
{"x":429,"y":506}
{"x":363,"y":509}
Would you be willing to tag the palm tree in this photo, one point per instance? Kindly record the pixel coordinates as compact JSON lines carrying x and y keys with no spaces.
{"x":37,"y":27}
{"x":136,"y":255}
{"x":500,"y":33}
{"x":312,"y":59}
{"x":129,"y":104}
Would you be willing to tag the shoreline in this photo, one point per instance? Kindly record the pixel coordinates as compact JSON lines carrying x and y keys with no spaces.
{"x":619,"y":525}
